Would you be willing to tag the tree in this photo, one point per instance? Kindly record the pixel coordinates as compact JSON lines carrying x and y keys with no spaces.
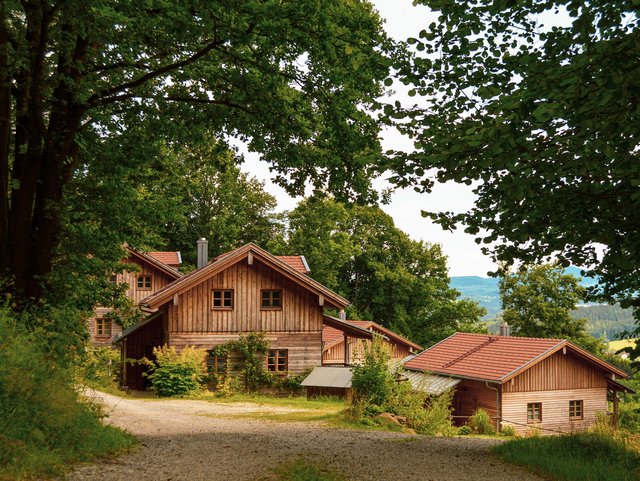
{"x":543,"y":121}
{"x":297,"y":80}
{"x":537,"y":302}
{"x":391,"y":279}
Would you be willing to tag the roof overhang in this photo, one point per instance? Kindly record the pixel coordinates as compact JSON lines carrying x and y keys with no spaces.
{"x":349,"y":329}
{"x":431,"y":383}
{"x":170,"y":271}
{"x":335,"y":377}
{"x":131,"y":329}
{"x":616,"y":386}
{"x":329,"y":298}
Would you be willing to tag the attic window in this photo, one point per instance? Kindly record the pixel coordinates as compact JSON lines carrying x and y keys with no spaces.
{"x":575,"y":409}
{"x":534,"y":412}
{"x":222,"y":299}
{"x":271,"y":299}
{"x":103,"y":327}
{"x":144,"y":283}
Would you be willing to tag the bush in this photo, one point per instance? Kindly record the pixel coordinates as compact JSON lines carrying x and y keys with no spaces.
{"x":44,"y":423}
{"x":629,"y":416}
{"x":372,"y":381}
{"x":464,"y":430}
{"x":508,"y":430}
{"x":100,"y":368}
{"x":480,"y":422}
{"x":174,"y":374}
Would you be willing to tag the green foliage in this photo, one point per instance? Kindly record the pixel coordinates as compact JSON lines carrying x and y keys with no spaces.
{"x":303,"y":470}
{"x":44,"y":423}
{"x":297,"y":81}
{"x":252,"y":348}
{"x":174,"y":374}
{"x":464,"y":430}
{"x":540,"y":117}
{"x":508,"y":430}
{"x":480,"y":422}
{"x":574,"y":457}
{"x":538,"y":301}
{"x":400,"y":283}
{"x":372,"y":380}
{"x":100,"y":367}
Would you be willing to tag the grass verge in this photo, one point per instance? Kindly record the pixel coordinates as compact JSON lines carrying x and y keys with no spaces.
{"x":576,"y":457}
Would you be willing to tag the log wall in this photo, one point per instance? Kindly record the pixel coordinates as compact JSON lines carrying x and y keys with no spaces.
{"x":193,"y":313}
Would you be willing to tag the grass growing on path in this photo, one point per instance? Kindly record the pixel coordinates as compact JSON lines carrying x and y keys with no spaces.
{"x":576,"y":457}
{"x":303,"y":470}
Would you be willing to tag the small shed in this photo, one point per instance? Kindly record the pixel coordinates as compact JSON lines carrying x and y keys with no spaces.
{"x":328,"y":381}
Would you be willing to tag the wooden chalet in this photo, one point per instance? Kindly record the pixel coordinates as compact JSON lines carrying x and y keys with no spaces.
{"x":549,"y":385}
{"x":155,"y":270}
{"x":245,"y":290}
{"x":338,"y":348}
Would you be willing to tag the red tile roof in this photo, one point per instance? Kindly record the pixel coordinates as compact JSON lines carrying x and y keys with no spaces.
{"x":297,"y":262}
{"x":482,"y":356}
{"x":172,"y":259}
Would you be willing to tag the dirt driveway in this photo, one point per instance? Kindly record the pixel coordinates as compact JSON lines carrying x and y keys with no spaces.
{"x":182,"y":441}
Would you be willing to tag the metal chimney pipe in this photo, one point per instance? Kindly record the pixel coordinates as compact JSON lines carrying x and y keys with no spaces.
{"x":203,"y":252}
{"x":505,"y":329}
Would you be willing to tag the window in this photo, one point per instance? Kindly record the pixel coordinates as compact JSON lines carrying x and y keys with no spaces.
{"x":271,"y":299}
{"x":222,"y":299}
{"x":277,"y":360}
{"x":103,"y":327}
{"x":113,"y":279}
{"x":534,"y":412}
{"x":216,"y":364}
{"x":575,"y":409}
{"x":144,"y":283}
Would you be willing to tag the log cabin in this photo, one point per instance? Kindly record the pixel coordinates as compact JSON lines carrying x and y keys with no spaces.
{"x":245,"y":290}
{"x":155,"y":270}
{"x":338,"y":348}
{"x":546,"y":386}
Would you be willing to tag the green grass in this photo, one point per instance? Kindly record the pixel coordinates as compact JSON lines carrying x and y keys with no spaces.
{"x":303,"y":470}
{"x":577,"y":457}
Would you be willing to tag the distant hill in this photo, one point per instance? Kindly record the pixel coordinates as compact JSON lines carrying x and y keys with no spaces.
{"x":603,"y":321}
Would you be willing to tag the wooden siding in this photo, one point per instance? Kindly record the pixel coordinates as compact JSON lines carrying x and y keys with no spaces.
{"x":137,"y":345}
{"x":471,"y":395}
{"x":555,"y":409}
{"x":304,"y":349}
{"x":558,"y":371}
{"x":300,"y":311}
{"x":159,"y":279}
{"x":116,"y":328}
{"x":335,"y":354}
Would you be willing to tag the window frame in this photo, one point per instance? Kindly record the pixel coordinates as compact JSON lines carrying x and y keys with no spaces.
{"x":270,"y":307}
{"x":532,"y":411}
{"x":144,"y":278}
{"x":219,"y":364}
{"x":100,"y":324}
{"x":222,"y":307}
{"x":576,"y":406}
{"x":278,"y":354}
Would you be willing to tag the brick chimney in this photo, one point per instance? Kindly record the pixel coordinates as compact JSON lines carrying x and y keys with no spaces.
{"x":203,"y":253}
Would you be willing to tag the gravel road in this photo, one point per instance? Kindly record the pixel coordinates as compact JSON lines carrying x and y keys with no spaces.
{"x":181,"y":441}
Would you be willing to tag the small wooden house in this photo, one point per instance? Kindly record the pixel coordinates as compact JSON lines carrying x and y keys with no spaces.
{"x":156,"y":270}
{"x":245,"y":290}
{"x":545,"y":385}
{"x":338,"y":348}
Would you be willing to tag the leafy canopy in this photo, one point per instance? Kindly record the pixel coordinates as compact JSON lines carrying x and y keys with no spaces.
{"x":541,"y":116}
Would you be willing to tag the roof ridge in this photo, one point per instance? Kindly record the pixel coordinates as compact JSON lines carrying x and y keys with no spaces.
{"x":471,"y":351}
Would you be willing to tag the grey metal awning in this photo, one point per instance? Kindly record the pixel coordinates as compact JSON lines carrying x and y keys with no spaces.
{"x":329,"y":377}
{"x":430,"y":383}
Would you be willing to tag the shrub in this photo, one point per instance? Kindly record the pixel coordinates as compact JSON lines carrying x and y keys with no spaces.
{"x":464,"y":430}
{"x":100,"y":367}
{"x":480,"y":422}
{"x":174,"y":374}
{"x":44,"y":423}
{"x":508,"y":430}
{"x":629,"y":416}
{"x":372,"y":381}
